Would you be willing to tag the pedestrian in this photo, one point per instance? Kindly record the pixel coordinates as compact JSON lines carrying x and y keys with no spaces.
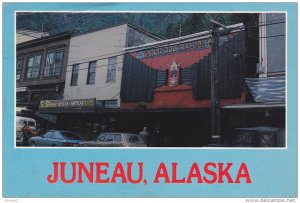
{"x":155,"y":137}
{"x":145,"y":136}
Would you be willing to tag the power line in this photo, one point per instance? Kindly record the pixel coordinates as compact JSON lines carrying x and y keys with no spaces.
{"x":93,"y":17}
{"x":90,"y":17}
{"x":175,"y":41}
{"x":120,"y":53}
{"x":65,"y":71}
{"x":131,"y":52}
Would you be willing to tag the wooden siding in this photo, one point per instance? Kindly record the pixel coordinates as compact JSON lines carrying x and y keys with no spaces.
{"x":162,"y":78}
{"x":186,"y":76}
{"x":136,"y":38}
{"x":231,"y":71}
{"x":141,"y":77}
{"x":138,"y":80}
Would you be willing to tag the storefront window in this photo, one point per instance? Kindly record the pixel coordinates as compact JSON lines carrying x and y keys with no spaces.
{"x":91,"y":127}
{"x":95,"y":127}
{"x":111,"y":103}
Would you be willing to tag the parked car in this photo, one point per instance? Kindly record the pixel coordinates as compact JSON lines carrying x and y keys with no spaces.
{"x":259,"y":137}
{"x":24,"y":121}
{"x":112,"y":139}
{"x":55,"y":138}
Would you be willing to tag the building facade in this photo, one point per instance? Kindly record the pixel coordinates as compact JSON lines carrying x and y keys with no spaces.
{"x":272,"y":51}
{"x":41,"y":69}
{"x":167,"y":84}
{"x":123,"y":78}
{"x":93,"y":77}
{"x":266,"y":93}
{"x":96,"y":61}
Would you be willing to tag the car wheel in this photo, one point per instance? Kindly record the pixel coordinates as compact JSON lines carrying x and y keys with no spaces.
{"x":32,"y":144}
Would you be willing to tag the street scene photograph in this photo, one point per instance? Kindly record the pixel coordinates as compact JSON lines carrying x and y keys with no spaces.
{"x":150,"y":80}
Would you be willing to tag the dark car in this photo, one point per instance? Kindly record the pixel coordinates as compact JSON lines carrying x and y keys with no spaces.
{"x":55,"y":138}
{"x":259,"y":137}
{"x":110,"y":139}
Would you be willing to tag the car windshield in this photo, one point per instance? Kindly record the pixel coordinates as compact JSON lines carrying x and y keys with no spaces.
{"x":70,"y":136}
{"x":31,"y":123}
{"x":100,"y":138}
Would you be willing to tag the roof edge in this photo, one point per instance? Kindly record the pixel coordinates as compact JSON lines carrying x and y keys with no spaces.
{"x":66,"y":34}
{"x":203,"y":34}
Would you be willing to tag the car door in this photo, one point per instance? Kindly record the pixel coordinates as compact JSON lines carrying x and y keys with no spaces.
{"x":118,"y":140}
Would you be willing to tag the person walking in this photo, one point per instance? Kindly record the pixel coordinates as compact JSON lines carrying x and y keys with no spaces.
{"x":145,"y":136}
{"x":155,"y":137}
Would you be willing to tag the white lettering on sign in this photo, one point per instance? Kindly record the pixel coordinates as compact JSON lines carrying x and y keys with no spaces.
{"x":21,"y":89}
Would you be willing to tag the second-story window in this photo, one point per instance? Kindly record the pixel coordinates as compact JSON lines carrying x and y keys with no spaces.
{"x":53,"y":64}
{"x":19,"y":68}
{"x":91,"y":73}
{"x":111,"y":70}
{"x":74,"y":77}
{"x":33,"y":66}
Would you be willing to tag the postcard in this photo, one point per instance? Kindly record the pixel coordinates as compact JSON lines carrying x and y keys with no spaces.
{"x":150,"y":100}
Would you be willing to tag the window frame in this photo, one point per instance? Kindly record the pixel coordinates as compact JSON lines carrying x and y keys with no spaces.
{"x":111,"y":69}
{"x":73,"y":82}
{"x":52,"y":69}
{"x":91,"y":74}
{"x":32,"y":67}
{"x":109,"y":138}
{"x":20,"y":74}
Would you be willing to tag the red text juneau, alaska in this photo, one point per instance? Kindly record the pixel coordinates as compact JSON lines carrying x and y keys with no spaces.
{"x":103,"y":172}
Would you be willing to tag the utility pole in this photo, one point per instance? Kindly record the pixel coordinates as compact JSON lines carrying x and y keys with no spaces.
{"x":214,"y":83}
{"x":214,"y":79}
{"x":180,"y":30}
{"x":43,"y":30}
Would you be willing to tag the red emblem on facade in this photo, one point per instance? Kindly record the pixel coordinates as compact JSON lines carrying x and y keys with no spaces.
{"x":173,"y":74}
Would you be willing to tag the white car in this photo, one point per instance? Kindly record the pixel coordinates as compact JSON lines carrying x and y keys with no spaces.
{"x":24,"y":121}
{"x":114,"y":139}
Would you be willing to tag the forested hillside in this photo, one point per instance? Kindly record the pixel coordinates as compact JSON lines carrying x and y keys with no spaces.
{"x":167,"y":25}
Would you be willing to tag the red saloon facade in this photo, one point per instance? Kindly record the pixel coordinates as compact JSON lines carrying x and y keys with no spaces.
{"x":166,"y":84}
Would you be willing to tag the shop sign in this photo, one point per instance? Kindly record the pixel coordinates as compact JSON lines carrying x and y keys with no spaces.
{"x":108,"y":104}
{"x":182,"y":47}
{"x":21,"y":89}
{"x":67,"y":104}
{"x":111,"y":104}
